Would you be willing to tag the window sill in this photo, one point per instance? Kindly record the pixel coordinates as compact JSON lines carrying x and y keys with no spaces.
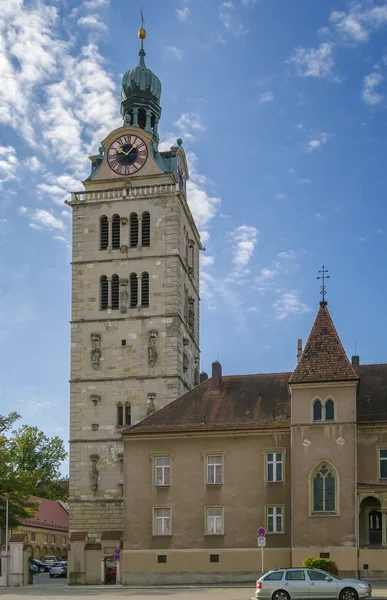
{"x":214,"y":485}
{"x":275,"y":532}
{"x":282,"y":481}
{"x":162,"y":485}
{"x":161,"y":535}
{"x":214,"y":535}
{"x":324,"y":514}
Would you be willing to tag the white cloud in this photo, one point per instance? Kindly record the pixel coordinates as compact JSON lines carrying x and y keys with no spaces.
{"x":349,"y":25}
{"x":177,"y":52}
{"x":287,"y":255}
{"x":370,"y":95}
{"x":188,"y":124}
{"x":33,"y":163}
{"x":42,"y":218}
{"x":206,"y":261}
{"x":289,"y":304}
{"x":92,"y":21}
{"x":230,"y":20}
{"x":266,"y":97}
{"x":314,"y":62}
{"x":204,"y":236}
{"x":22,"y":210}
{"x":246,"y":237}
{"x":268,"y":273}
{"x":202,"y":205}
{"x":8,"y":163}
{"x":320,"y":217}
{"x":360,"y":20}
{"x":317,"y":142}
{"x":183,"y":13}
{"x":281,"y":196}
{"x":95,"y":4}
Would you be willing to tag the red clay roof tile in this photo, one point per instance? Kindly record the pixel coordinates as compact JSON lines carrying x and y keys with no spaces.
{"x":51,"y":514}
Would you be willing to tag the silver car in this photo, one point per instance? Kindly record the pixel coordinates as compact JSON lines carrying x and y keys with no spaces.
{"x":294,"y":584}
{"x":59,"y":568}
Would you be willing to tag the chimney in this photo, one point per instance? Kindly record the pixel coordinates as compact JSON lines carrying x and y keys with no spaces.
{"x":299,"y":350}
{"x":216,"y":377}
{"x":356,"y":360}
{"x":203,"y":376}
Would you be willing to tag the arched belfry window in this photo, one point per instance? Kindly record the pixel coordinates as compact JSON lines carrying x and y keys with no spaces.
{"x":128,"y":414}
{"x":103,"y":293}
{"x":120,"y":414}
{"x":329,"y":410}
{"x":115,"y":292}
{"x":145,"y":229}
{"x":317,"y":410}
{"x":324,"y":489}
{"x":133,"y":230}
{"x":145,"y":289}
{"x":142,"y":118}
{"x":103,"y":232}
{"x":133,"y":290}
{"x":116,"y":226}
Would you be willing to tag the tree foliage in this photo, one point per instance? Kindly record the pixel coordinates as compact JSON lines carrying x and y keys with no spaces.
{"x":325,"y":564}
{"x":29,"y":466}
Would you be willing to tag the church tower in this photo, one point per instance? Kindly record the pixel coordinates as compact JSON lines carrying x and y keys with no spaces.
{"x":135,"y":310}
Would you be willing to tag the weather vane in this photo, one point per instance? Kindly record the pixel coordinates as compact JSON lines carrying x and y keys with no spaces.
{"x":142,"y":17}
{"x":323,"y":276}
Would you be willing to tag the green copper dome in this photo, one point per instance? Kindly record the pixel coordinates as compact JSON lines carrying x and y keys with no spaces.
{"x":141,"y":82}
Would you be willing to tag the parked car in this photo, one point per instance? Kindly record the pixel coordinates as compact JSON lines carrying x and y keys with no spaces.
{"x":41,"y":566}
{"x":49,"y":560}
{"x":292,"y":584}
{"x":110,"y":575}
{"x":59,"y":569}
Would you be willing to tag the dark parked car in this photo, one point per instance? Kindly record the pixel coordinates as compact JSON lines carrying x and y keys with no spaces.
{"x":42,"y":568}
{"x":110,"y":576}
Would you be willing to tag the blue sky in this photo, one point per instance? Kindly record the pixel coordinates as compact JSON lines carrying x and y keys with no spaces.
{"x":282,"y":108}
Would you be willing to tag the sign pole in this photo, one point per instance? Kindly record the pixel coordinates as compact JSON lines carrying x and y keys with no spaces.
{"x":117,"y":564}
{"x":262,"y":559}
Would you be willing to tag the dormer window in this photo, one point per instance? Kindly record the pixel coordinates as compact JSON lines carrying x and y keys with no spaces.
{"x":323,"y":411}
{"x":317,"y":410}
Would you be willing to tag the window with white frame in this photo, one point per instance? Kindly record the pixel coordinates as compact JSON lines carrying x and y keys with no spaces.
{"x":163,"y":470}
{"x":275,"y":519}
{"x":274,"y":470}
{"x":382,"y":464}
{"x":214,"y":469}
{"x":214,"y":520}
{"x":162,"y":521}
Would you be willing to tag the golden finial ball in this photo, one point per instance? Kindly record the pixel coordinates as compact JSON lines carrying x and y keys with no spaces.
{"x":142,"y":33}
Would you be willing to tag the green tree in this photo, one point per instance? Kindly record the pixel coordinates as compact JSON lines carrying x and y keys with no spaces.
{"x":325,"y":564}
{"x":29,"y":466}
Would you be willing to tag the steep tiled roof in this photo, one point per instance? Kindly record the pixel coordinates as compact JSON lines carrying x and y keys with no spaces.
{"x":244,"y":401}
{"x":323,"y":358}
{"x":372,"y":396}
{"x":51,"y":515}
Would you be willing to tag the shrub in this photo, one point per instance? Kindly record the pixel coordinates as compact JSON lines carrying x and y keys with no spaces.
{"x":325,"y":564}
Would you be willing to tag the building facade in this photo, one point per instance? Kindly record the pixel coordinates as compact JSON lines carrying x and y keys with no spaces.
{"x":135,"y":310}
{"x":302,"y":454}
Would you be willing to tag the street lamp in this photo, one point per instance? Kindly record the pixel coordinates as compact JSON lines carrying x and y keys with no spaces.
{"x":6,"y":539}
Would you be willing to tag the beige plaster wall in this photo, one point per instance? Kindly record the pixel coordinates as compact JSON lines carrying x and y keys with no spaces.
{"x":370,"y":440}
{"x":243,"y":494}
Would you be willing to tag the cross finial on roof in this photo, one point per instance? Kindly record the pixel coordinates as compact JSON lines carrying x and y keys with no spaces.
{"x":323,"y":292}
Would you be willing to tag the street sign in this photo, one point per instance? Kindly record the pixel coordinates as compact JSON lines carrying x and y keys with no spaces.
{"x":261,"y":532}
{"x":117,"y":550}
{"x":261,"y":542}
{"x":117,"y":557}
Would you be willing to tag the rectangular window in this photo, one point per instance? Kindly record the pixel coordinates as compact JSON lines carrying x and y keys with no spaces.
{"x":32,"y":536}
{"x":383,"y":464}
{"x":274,"y":466}
{"x":45,"y":538}
{"x":162,"y":521}
{"x":274,"y":519}
{"x":214,"y":521}
{"x":214,"y":558}
{"x":163,"y":470}
{"x":162,"y":558}
{"x":214,"y":469}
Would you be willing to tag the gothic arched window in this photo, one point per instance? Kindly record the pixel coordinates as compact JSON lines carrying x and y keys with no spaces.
{"x":324,"y":489}
{"x":103,"y":293}
{"x":133,"y":290}
{"x":116,"y":226}
{"x":115,"y":292}
{"x":133,"y":230}
{"x":317,"y":410}
{"x":128,"y":413}
{"x":142,"y":118}
{"x":329,"y":410}
{"x":103,"y":232}
{"x":145,"y":290}
{"x":145,"y":229}
{"x":120,"y":414}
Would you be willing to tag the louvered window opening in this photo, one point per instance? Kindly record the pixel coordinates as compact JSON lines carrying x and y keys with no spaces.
{"x":146,"y":229}
{"x":145,"y":290}
{"x":133,"y":230}
{"x":104,"y":233}
{"x":120,"y":414}
{"x":116,"y":226}
{"x":128,"y":414}
{"x":133,"y":291}
{"x":104,"y":293}
{"x":115,"y":292}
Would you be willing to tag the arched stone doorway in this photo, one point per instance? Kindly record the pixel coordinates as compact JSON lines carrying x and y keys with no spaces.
{"x":370,"y":522}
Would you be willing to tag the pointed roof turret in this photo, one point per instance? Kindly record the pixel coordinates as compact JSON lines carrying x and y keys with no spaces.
{"x":323,"y":358}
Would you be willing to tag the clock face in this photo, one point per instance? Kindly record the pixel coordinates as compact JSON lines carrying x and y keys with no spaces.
{"x":127,"y":154}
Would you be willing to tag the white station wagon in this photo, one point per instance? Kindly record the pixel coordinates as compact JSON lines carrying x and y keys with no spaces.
{"x":295,"y":584}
